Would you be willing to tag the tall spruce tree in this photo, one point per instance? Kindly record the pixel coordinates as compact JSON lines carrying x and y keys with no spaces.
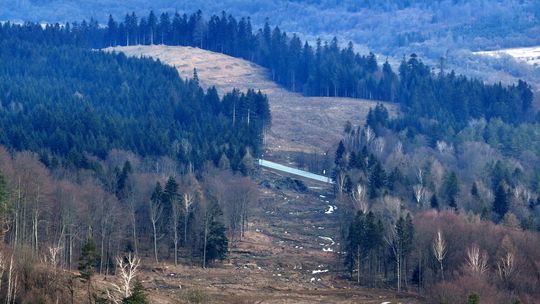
{"x":501,"y":202}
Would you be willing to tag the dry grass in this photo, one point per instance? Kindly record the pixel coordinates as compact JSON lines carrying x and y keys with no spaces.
{"x":299,"y":123}
{"x":274,"y":263}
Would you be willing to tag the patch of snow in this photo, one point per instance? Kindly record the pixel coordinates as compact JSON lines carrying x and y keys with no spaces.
{"x":530,"y":55}
{"x":319,"y":271}
{"x":331,"y":209}
{"x":328,"y":239}
{"x":328,"y":250}
{"x":322,"y":196}
{"x":312,"y":280}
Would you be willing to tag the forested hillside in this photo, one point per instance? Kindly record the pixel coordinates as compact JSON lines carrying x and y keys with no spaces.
{"x":321,"y":70}
{"x":432,"y":29}
{"x":106,"y":159}
{"x":91,"y":148}
{"x":70,"y":102}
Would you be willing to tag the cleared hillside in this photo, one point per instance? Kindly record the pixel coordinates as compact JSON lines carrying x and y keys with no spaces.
{"x":299,"y":123}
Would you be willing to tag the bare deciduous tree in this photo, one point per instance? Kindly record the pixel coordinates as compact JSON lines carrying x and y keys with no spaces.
{"x":189,"y":201}
{"x":155,"y":211}
{"x":477,"y":260}
{"x":127,"y":269}
{"x":359,"y":198}
{"x":419,"y":194}
{"x":506,"y":265}
{"x":439,"y":250}
{"x":392,"y":239}
{"x":340,"y":181}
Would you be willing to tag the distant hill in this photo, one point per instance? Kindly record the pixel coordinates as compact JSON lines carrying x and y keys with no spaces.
{"x":432,"y":29}
{"x":299,"y":123}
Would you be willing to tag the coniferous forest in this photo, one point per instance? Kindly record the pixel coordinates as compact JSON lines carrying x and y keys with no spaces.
{"x":107,"y":159}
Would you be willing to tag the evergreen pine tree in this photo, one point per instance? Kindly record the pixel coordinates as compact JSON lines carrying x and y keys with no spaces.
{"x":434,"y":202}
{"x":501,"y":203}
{"x":88,"y":260}
{"x":216,"y":244}
{"x":451,"y":189}
{"x":137,"y":295}
{"x":377,"y":179}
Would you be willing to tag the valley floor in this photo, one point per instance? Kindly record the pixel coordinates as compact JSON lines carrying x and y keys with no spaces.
{"x":291,"y":252}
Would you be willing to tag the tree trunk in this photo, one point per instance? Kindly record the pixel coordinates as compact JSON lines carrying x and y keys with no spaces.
{"x":134,"y":231}
{"x":175,"y":246}
{"x":358,"y":264}
{"x":205,"y":240}
{"x":186,"y":216}
{"x":155,"y":240}
{"x":398,"y":262}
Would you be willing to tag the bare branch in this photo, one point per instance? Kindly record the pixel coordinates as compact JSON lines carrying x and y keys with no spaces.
{"x":476,"y":260}
{"x":439,"y":250}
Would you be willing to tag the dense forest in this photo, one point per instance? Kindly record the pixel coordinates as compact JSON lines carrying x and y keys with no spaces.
{"x":107,"y":159}
{"x":321,"y":70}
{"x":457,"y":188}
{"x":112,"y":102}
{"x":92,"y":148}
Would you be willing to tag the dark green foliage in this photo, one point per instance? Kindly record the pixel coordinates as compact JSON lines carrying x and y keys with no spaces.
{"x":434,"y":202}
{"x":169,"y":196}
{"x":4,"y":202}
{"x":215,"y":233}
{"x":501,"y":202}
{"x":340,"y":153}
{"x":138,"y":295}
{"x":377,"y":118}
{"x":454,"y":100}
{"x":3,"y":194}
{"x":365,"y":236}
{"x":451,"y":189}
{"x":436,"y":105}
{"x":474,"y":191}
{"x":473,"y":299}
{"x":70,"y":101}
{"x":405,"y":234}
{"x":377,"y":179}
{"x":88,"y":260}
{"x":122,"y":187}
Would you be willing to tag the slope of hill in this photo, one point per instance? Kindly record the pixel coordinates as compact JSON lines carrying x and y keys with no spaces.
{"x":289,"y":254}
{"x":432,"y":29}
{"x":299,"y":124}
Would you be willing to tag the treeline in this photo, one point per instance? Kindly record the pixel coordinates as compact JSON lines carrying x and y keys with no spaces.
{"x":438,"y":103}
{"x":321,"y":70}
{"x":440,"y":106}
{"x":70,"y":103}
